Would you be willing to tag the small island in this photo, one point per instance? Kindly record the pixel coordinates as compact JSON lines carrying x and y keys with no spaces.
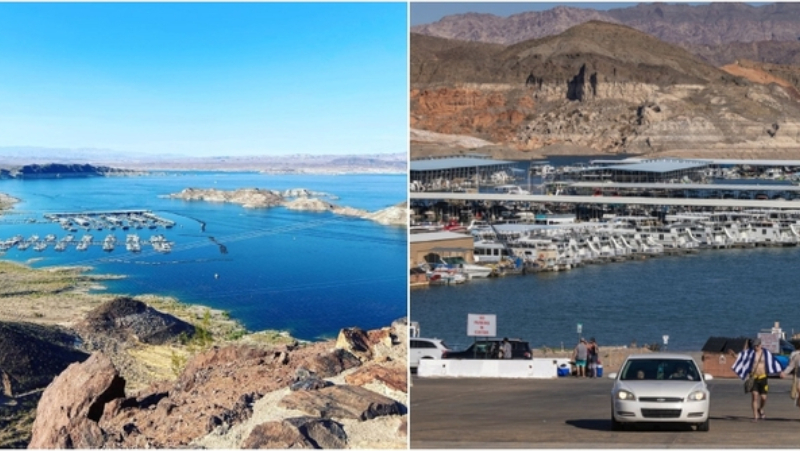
{"x":294,"y":199}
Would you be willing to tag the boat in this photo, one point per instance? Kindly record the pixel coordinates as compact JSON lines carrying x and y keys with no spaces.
{"x":443,"y":275}
{"x":40,"y":246}
{"x":470,"y":269}
{"x":109,"y":242}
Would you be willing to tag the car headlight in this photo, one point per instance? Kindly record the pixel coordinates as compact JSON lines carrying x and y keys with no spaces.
{"x":697,"y":395}
{"x":625,"y":395}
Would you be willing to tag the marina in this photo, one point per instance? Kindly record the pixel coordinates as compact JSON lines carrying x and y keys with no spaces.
{"x":97,"y":220}
{"x":691,"y":259}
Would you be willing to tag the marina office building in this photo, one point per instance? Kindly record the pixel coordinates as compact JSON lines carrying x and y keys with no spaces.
{"x":443,"y":244}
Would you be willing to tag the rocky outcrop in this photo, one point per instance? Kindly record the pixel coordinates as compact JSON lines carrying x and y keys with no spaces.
{"x":296,"y":199}
{"x":219,"y":395}
{"x":71,"y":407}
{"x":31,"y":355}
{"x":342,"y":402}
{"x":127,"y":319}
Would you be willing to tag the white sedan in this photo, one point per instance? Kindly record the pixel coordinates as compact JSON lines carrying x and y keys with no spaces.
{"x":657,"y":388}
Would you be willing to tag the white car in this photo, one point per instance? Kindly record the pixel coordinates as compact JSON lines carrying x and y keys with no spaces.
{"x":657,"y":388}
{"x":425,"y":348}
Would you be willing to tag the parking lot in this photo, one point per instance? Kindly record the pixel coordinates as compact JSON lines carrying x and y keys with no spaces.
{"x":575,"y":413}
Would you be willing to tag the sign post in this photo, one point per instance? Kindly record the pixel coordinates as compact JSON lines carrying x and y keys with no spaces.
{"x":666,"y":340}
{"x":481,"y":325}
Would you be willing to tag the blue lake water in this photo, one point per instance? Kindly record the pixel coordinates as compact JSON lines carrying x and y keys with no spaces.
{"x":731,"y":293}
{"x":306,"y":272}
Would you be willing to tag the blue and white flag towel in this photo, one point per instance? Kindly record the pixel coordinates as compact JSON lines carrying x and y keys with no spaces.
{"x":745,"y":360}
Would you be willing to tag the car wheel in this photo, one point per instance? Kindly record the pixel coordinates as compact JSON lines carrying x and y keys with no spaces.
{"x":616,"y":425}
{"x":703,"y":427}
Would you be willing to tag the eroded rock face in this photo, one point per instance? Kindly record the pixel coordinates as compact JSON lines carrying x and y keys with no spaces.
{"x":70,"y":408}
{"x":343,"y":402}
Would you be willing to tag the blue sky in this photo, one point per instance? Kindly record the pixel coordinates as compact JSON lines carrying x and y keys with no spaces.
{"x":429,"y":12}
{"x":205,"y":79}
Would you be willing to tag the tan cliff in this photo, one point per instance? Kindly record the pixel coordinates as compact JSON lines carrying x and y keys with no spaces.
{"x":294,"y":200}
{"x":597,"y":88}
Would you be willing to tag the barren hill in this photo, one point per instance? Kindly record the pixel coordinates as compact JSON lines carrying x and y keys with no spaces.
{"x":720,"y":33}
{"x":684,"y":24}
{"x":602,"y":87}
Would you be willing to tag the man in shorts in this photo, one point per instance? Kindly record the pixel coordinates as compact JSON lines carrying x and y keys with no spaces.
{"x":761,"y":363}
{"x":579,"y":356}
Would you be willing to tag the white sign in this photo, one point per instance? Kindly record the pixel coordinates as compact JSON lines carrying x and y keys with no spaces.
{"x":481,"y":325}
{"x":580,"y":327}
{"x":666,"y":339}
{"x":770,"y":342}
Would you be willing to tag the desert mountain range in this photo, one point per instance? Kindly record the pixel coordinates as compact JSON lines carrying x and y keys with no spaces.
{"x":601,"y":87}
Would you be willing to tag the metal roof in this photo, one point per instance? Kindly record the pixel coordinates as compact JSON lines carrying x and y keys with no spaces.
{"x":436,"y":236}
{"x":658,"y":166}
{"x":782,"y":204}
{"x":689,"y":186}
{"x":439,"y":164}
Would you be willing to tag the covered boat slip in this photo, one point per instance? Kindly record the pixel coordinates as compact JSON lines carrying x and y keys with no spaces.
{"x":456,"y":169}
{"x":603,"y":200}
{"x":698,"y":190}
{"x":645,"y":171}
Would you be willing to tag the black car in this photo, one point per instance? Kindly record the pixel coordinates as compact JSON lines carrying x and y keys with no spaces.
{"x":490,"y":349}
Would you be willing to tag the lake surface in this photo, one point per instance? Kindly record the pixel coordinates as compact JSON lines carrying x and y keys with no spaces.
{"x":727,"y":292}
{"x":306,"y":272}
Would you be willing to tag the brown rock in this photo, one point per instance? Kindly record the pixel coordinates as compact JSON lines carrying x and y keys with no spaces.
{"x":355,"y":341}
{"x":332,"y":363}
{"x":325,"y":434}
{"x":276,"y":435}
{"x":395,"y":377}
{"x":342,"y":401}
{"x":72,"y":405}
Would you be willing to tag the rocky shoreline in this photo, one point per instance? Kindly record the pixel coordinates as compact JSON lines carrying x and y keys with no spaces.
{"x":164,"y":369}
{"x":299,"y":199}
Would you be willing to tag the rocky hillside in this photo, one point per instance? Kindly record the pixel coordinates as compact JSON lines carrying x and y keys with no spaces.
{"x":55,"y":170}
{"x":717,"y":28}
{"x":345,"y":394}
{"x":296,"y":199}
{"x":598,"y":88}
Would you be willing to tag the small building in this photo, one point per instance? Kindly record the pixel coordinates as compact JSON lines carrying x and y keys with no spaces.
{"x":432,"y":246}
{"x":719,"y":353}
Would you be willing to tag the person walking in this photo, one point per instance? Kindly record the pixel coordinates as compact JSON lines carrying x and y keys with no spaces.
{"x":757,"y":363}
{"x":580,"y":355}
{"x":506,"y":348}
{"x":592,"y":357}
{"x":794,"y":366}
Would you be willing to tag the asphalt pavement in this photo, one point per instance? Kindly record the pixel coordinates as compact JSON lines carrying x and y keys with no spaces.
{"x":575,"y":413}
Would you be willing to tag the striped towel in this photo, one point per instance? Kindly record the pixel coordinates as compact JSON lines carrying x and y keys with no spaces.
{"x":744,"y":363}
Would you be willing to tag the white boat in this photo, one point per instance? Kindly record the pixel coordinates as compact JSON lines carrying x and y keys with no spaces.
{"x":510,"y":189}
{"x":441,"y":275}
{"x":471,"y":270}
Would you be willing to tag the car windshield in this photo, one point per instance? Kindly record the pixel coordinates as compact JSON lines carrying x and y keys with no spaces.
{"x":660,"y":369}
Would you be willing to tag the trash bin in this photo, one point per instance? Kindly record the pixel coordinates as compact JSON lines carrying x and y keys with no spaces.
{"x":599,"y":370}
{"x":563,"y":370}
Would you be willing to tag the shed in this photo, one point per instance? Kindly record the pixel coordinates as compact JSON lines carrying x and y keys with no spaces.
{"x":719,"y":353}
